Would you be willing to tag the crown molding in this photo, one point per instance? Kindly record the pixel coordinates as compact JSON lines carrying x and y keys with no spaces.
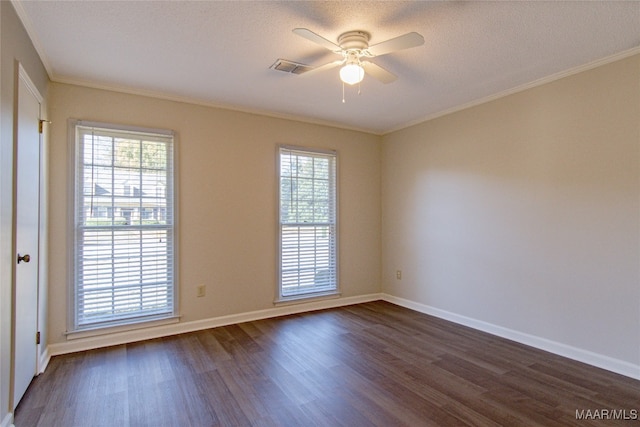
{"x":521,"y":88}
{"x":203,"y":103}
{"x":32,"y":33}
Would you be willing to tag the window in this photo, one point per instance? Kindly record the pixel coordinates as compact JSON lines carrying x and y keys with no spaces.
{"x":308,"y":228}
{"x":124,"y":257}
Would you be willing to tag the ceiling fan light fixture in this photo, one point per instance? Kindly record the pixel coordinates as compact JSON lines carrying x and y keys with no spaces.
{"x":352,"y":73}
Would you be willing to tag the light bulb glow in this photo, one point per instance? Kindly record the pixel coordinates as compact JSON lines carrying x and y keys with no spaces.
{"x":351,"y":73}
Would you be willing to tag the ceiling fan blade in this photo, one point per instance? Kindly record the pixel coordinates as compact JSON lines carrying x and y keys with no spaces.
{"x":399,"y":43}
{"x":317,"y":39}
{"x":324,"y":67}
{"x":378,"y":73}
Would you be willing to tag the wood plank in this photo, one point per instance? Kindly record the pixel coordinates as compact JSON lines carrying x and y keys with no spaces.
{"x":372,"y":364}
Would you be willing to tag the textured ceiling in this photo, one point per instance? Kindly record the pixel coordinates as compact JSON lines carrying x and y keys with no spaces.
{"x":219,"y":53}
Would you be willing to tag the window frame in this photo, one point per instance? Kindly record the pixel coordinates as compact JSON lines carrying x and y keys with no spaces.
{"x":74,"y":329}
{"x":326,"y":293}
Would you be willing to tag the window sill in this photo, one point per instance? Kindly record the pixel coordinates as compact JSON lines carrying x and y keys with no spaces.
{"x":300,"y":299}
{"x":106,"y":330}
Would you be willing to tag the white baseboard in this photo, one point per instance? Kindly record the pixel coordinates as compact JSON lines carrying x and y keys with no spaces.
{"x":7,"y":421}
{"x":581,"y":355}
{"x":601,"y":361}
{"x":118,"y":338}
{"x":43,"y":360}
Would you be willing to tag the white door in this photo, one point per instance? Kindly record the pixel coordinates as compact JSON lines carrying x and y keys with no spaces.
{"x":27,"y":220}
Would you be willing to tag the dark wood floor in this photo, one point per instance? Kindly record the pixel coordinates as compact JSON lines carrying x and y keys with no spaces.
{"x":373,"y":364}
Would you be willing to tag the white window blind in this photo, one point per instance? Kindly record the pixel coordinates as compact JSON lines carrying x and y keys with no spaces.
{"x":124,"y":226}
{"x":308,"y":229}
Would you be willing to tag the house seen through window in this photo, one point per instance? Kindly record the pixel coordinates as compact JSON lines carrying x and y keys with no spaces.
{"x":124,"y":226}
{"x":308,"y":225}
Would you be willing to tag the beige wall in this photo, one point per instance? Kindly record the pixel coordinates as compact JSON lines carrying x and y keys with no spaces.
{"x":525,"y":212}
{"x":227,"y":199}
{"x":15,"y":47}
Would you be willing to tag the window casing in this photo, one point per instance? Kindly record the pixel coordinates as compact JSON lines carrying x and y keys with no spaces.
{"x":124,"y":240}
{"x":308,"y":233}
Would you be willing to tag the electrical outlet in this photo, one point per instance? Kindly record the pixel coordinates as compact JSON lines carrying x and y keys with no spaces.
{"x":399,"y":274}
{"x":201,"y":290}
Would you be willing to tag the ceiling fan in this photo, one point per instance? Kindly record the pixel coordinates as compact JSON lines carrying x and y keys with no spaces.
{"x":354,"y":48}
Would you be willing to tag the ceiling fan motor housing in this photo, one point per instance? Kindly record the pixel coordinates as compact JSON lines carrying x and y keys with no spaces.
{"x":354,"y":40}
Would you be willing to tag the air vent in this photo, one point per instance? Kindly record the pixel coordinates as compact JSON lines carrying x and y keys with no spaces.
{"x":290,"y":66}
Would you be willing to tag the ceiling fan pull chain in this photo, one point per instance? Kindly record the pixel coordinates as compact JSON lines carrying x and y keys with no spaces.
{"x":343,"y":101}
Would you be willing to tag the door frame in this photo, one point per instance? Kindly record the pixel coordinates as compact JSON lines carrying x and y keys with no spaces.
{"x":21,"y":74}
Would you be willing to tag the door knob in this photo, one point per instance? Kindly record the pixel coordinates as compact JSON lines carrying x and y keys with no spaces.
{"x":25,"y":258}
